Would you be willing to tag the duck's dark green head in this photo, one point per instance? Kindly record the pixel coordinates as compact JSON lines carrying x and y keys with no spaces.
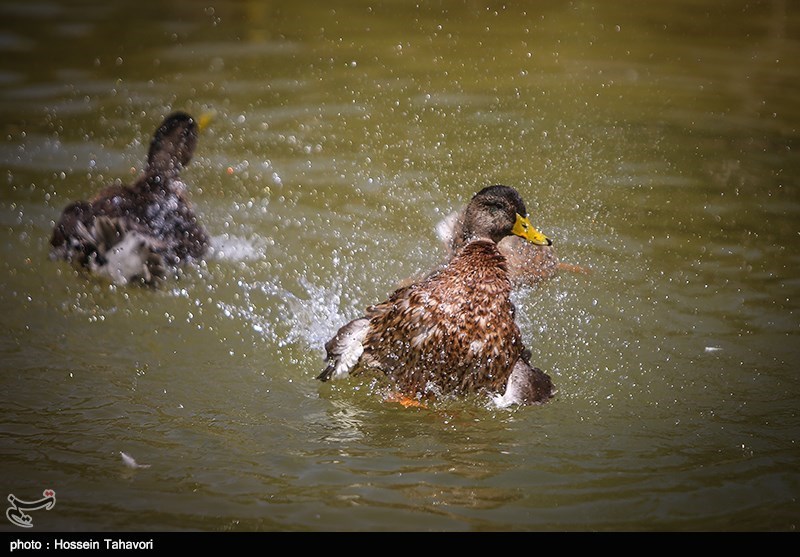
{"x":174,"y":142}
{"x":499,"y":211}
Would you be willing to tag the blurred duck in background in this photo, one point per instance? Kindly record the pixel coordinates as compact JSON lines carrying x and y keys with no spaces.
{"x":140,"y":232}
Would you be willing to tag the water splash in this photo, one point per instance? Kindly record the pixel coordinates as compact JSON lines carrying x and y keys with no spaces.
{"x":237,"y":248}
{"x":284,"y":318}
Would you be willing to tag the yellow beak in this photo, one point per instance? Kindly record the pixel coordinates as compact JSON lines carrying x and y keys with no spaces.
{"x":205,"y":119}
{"x":524,"y":229}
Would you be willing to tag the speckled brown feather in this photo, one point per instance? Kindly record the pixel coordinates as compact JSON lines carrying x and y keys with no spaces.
{"x":452,"y":332}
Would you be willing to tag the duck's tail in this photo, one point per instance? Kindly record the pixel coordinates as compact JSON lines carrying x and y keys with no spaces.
{"x":109,"y":248}
{"x":345,"y":349}
{"x":124,"y":255}
{"x":526,"y":385}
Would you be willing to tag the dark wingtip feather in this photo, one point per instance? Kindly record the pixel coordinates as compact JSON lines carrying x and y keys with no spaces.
{"x":326,"y":374}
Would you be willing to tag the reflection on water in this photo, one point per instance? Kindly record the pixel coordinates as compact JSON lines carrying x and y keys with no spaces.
{"x":656,"y":144}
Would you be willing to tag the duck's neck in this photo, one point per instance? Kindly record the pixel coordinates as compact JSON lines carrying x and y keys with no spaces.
{"x":164,"y":164}
{"x":466,"y":235}
{"x":160,"y":184}
{"x":482,"y":253}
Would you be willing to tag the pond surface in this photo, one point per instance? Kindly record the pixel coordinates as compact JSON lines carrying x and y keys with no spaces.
{"x":656,"y":143}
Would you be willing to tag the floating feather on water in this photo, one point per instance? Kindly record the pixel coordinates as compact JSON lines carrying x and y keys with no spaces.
{"x":129,"y":461}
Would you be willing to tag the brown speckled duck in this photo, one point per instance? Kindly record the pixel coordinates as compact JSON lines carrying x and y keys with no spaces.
{"x":454,"y":331}
{"x":137,"y":232}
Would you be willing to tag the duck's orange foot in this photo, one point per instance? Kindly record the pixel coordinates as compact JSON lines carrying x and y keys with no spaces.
{"x":403,"y":400}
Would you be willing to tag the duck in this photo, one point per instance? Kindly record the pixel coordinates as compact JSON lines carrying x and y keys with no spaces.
{"x":529,"y":263}
{"x":137,"y":233}
{"x":454,"y":331}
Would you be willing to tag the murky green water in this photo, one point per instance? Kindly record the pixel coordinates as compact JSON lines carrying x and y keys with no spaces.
{"x":656,"y":143}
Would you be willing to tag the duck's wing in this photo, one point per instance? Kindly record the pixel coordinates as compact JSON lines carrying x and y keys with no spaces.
{"x":70,"y":233}
{"x":447,"y":230}
{"x":345,"y":349}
